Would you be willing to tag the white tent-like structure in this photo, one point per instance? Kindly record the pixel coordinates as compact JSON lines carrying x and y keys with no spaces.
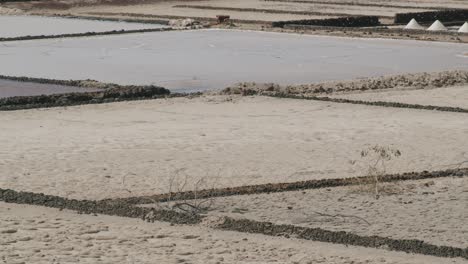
{"x":464,"y":28}
{"x":413,"y":24}
{"x":437,"y":26}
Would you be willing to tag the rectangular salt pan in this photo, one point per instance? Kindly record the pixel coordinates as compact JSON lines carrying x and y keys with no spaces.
{"x":17,"y":26}
{"x":215,"y":59}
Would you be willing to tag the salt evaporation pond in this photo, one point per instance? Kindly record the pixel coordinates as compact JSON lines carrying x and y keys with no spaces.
{"x":17,"y":26}
{"x":214,"y":59}
{"x":12,"y":88}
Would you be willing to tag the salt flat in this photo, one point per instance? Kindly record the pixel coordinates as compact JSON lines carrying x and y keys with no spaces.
{"x":136,"y":148}
{"x":17,"y":26}
{"x":214,"y":59}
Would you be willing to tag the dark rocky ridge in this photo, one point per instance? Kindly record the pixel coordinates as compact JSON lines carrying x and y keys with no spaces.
{"x":96,"y":207}
{"x":70,"y":99}
{"x":358,"y":21}
{"x":431,"y":16}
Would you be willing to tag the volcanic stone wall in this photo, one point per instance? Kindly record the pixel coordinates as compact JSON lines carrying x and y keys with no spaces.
{"x":290,"y":186}
{"x":375,"y":103}
{"x":122,"y":209}
{"x":418,"y":81}
{"x":96,"y":207}
{"x":69,"y":99}
{"x":318,"y":234}
{"x":361,"y":21}
{"x":444,"y":16}
{"x":85,"y":34}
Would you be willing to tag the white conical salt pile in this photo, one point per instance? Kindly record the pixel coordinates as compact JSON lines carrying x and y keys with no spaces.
{"x":464,"y":28}
{"x":437,"y":26}
{"x":413,"y":24}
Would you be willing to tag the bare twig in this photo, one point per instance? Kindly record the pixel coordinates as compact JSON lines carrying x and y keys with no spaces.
{"x":180,"y":182}
{"x":343,"y":216}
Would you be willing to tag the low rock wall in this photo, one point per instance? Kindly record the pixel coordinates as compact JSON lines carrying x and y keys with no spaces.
{"x":359,"y":21}
{"x":431,"y":16}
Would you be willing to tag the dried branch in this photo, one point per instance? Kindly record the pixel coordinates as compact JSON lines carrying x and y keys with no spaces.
{"x":343,"y":216}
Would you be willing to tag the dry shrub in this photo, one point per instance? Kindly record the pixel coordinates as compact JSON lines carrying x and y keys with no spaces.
{"x":179,"y":184}
{"x":373,"y":162}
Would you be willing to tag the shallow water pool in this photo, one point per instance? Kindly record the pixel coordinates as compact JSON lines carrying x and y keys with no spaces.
{"x":214,"y":59}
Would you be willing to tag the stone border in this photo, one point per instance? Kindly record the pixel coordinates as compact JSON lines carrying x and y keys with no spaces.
{"x":343,"y":22}
{"x":75,"y":83}
{"x":431,"y":16}
{"x":286,"y":187}
{"x":86,"y":34}
{"x":377,"y":30}
{"x":110,"y":93}
{"x":341,"y":237}
{"x":111,"y":19}
{"x":73,"y":99}
{"x":96,"y":207}
{"x":417,"y":80}
{"x":269,"y":11}
{"x":115,"y":208}
{"x":375,"y":103}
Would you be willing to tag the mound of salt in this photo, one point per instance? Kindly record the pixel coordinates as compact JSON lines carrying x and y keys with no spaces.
{"x":437,"y":26}
{"x":413,"y":24}
{"x":464,"y":28}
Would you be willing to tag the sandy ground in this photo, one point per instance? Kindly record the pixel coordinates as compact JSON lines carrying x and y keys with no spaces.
{"x":136,"y":148}
{"x":430,"y":210}
{"x":456,"y":96}
{"x":41,"y":235}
